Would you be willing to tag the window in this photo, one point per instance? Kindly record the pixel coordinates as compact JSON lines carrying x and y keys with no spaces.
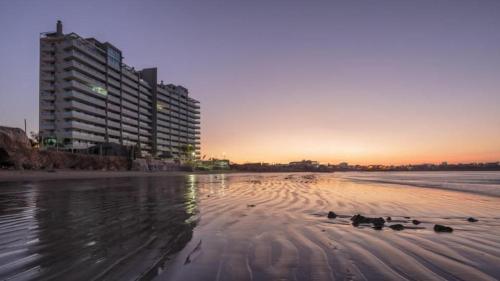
{"x":114,"y":58}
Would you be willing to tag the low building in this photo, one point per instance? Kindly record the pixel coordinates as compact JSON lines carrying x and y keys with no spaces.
{"x":304,"y":164}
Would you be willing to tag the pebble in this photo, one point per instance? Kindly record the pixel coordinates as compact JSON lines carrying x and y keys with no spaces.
{"x":442,"y":228}
{"x":331,"y":215}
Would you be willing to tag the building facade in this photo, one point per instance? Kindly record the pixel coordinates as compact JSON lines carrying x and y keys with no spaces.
{"x":88,"y":96}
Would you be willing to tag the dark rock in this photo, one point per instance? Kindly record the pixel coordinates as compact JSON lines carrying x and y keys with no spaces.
{"x":378,"y":224}
{"x":442,"y":228}
{"x":331,"y":215}
{"x":407,"y":217}
{"x":415,"y":222}
{"x":397,"y":227}
{"x":389,"y":219}
{"x":358,"y":219}
{"x":471,"y":219}
{"x":250,"y":205}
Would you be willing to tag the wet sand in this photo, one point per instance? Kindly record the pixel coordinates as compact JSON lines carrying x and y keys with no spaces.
{"x":242,"y":227}
{"x":30,"y":175}
{"x":274,"y":227}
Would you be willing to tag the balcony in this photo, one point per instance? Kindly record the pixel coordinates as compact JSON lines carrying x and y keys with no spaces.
{"x":47,"y":57}
{"x":86,"y":48}
{"x":144,"y":133}
{"x":114,"y":83}
{"x":86,"y":98}
{"x":84,"y":117}
{"x":130,"y":113}
{"x":130,"y":91}
{"x":113,"y":90}
{"x":82,"y":58}
{"x":47,"y":126}
{"x":85,"y":108}
{"x":144,"y":125}
{"x":113,"y":107}
{"x":47,"y":106}
{"x":128,"y":136}
{"x":47,"y":48}
{"x":113,"y":74}
{"x":130,"y":121}
{"x":47,"y":116}
{"x":73,"y":84}
{"x":130,"y":75}
{"x":144,"y":139}
{"x":130,"y":129}
{"x":113,"y":99}
{"x":47,"y":96}
{"x":114,"y":116}
{"x":85,"y":127}
{"x":114,"y":124}
{"x":45,"y":86}
{"x":83,"y":136}
{"x":114,"y":133}
{"x":47,"y":67}
{"x":47,"y":77}
{"x":130,"y":106}
{"x":83,"y":78}
{"x":73,"y":64}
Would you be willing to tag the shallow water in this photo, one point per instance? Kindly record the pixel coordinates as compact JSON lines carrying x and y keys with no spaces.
{"x":242,"y":227}
{"x":484,"y":182}
{"x":93,"y":229}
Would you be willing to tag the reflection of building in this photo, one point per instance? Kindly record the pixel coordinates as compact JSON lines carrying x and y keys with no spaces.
{"x":89,"y":96}
{"x":100,"y":220}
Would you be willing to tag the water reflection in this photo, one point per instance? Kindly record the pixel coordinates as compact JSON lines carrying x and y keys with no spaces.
{"x":121,"y":228}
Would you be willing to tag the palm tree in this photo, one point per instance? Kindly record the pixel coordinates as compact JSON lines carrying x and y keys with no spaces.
{"x":188,"y":154}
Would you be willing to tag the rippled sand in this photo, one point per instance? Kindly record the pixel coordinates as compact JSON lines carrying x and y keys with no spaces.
{"x":274,"y":227}
{"x":242,"y":227}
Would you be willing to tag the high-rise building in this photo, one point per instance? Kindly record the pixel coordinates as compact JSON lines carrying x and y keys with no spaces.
{"x":89,"y":96}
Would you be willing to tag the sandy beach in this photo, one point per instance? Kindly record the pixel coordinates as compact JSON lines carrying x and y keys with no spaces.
{"x":243,"y":227}
{"x":274,"y":227}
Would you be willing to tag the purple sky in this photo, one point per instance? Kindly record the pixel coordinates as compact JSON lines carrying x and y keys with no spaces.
{"x":357,"y":81}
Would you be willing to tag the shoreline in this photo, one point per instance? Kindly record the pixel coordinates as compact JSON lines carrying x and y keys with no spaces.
{"x":30,"y":175}
{"x":17,"y":176}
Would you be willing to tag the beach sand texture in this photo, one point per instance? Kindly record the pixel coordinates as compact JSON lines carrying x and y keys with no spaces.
{"x":275,"y":227}
{"x":244,"y":227}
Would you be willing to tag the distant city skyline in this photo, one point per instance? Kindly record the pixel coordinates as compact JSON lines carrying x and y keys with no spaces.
{"x":385,"y":82}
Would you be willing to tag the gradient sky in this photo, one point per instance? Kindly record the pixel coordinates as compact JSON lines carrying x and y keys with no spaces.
{"x":358,"y":81}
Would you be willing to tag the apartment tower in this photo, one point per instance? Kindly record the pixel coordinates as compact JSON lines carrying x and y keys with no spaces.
{"x":89,"y":96}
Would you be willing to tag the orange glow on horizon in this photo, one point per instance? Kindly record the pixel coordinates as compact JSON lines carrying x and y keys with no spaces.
{"x":391,"y":149}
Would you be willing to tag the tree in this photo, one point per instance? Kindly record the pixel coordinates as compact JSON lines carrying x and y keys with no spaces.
{"x":34,"y":139}
{"x":188,"y":154}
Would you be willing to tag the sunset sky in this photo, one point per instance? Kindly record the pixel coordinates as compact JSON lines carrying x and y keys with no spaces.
{"x":365,"y":82}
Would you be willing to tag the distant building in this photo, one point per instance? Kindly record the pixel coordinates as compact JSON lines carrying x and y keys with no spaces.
{"x":343,"y":165}
{"x":304,"y":164}
{"x":89,"y":96}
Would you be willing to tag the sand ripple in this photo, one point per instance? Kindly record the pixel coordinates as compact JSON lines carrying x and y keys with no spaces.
{"x":242,"y":227}
{"x":274,"y":227}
